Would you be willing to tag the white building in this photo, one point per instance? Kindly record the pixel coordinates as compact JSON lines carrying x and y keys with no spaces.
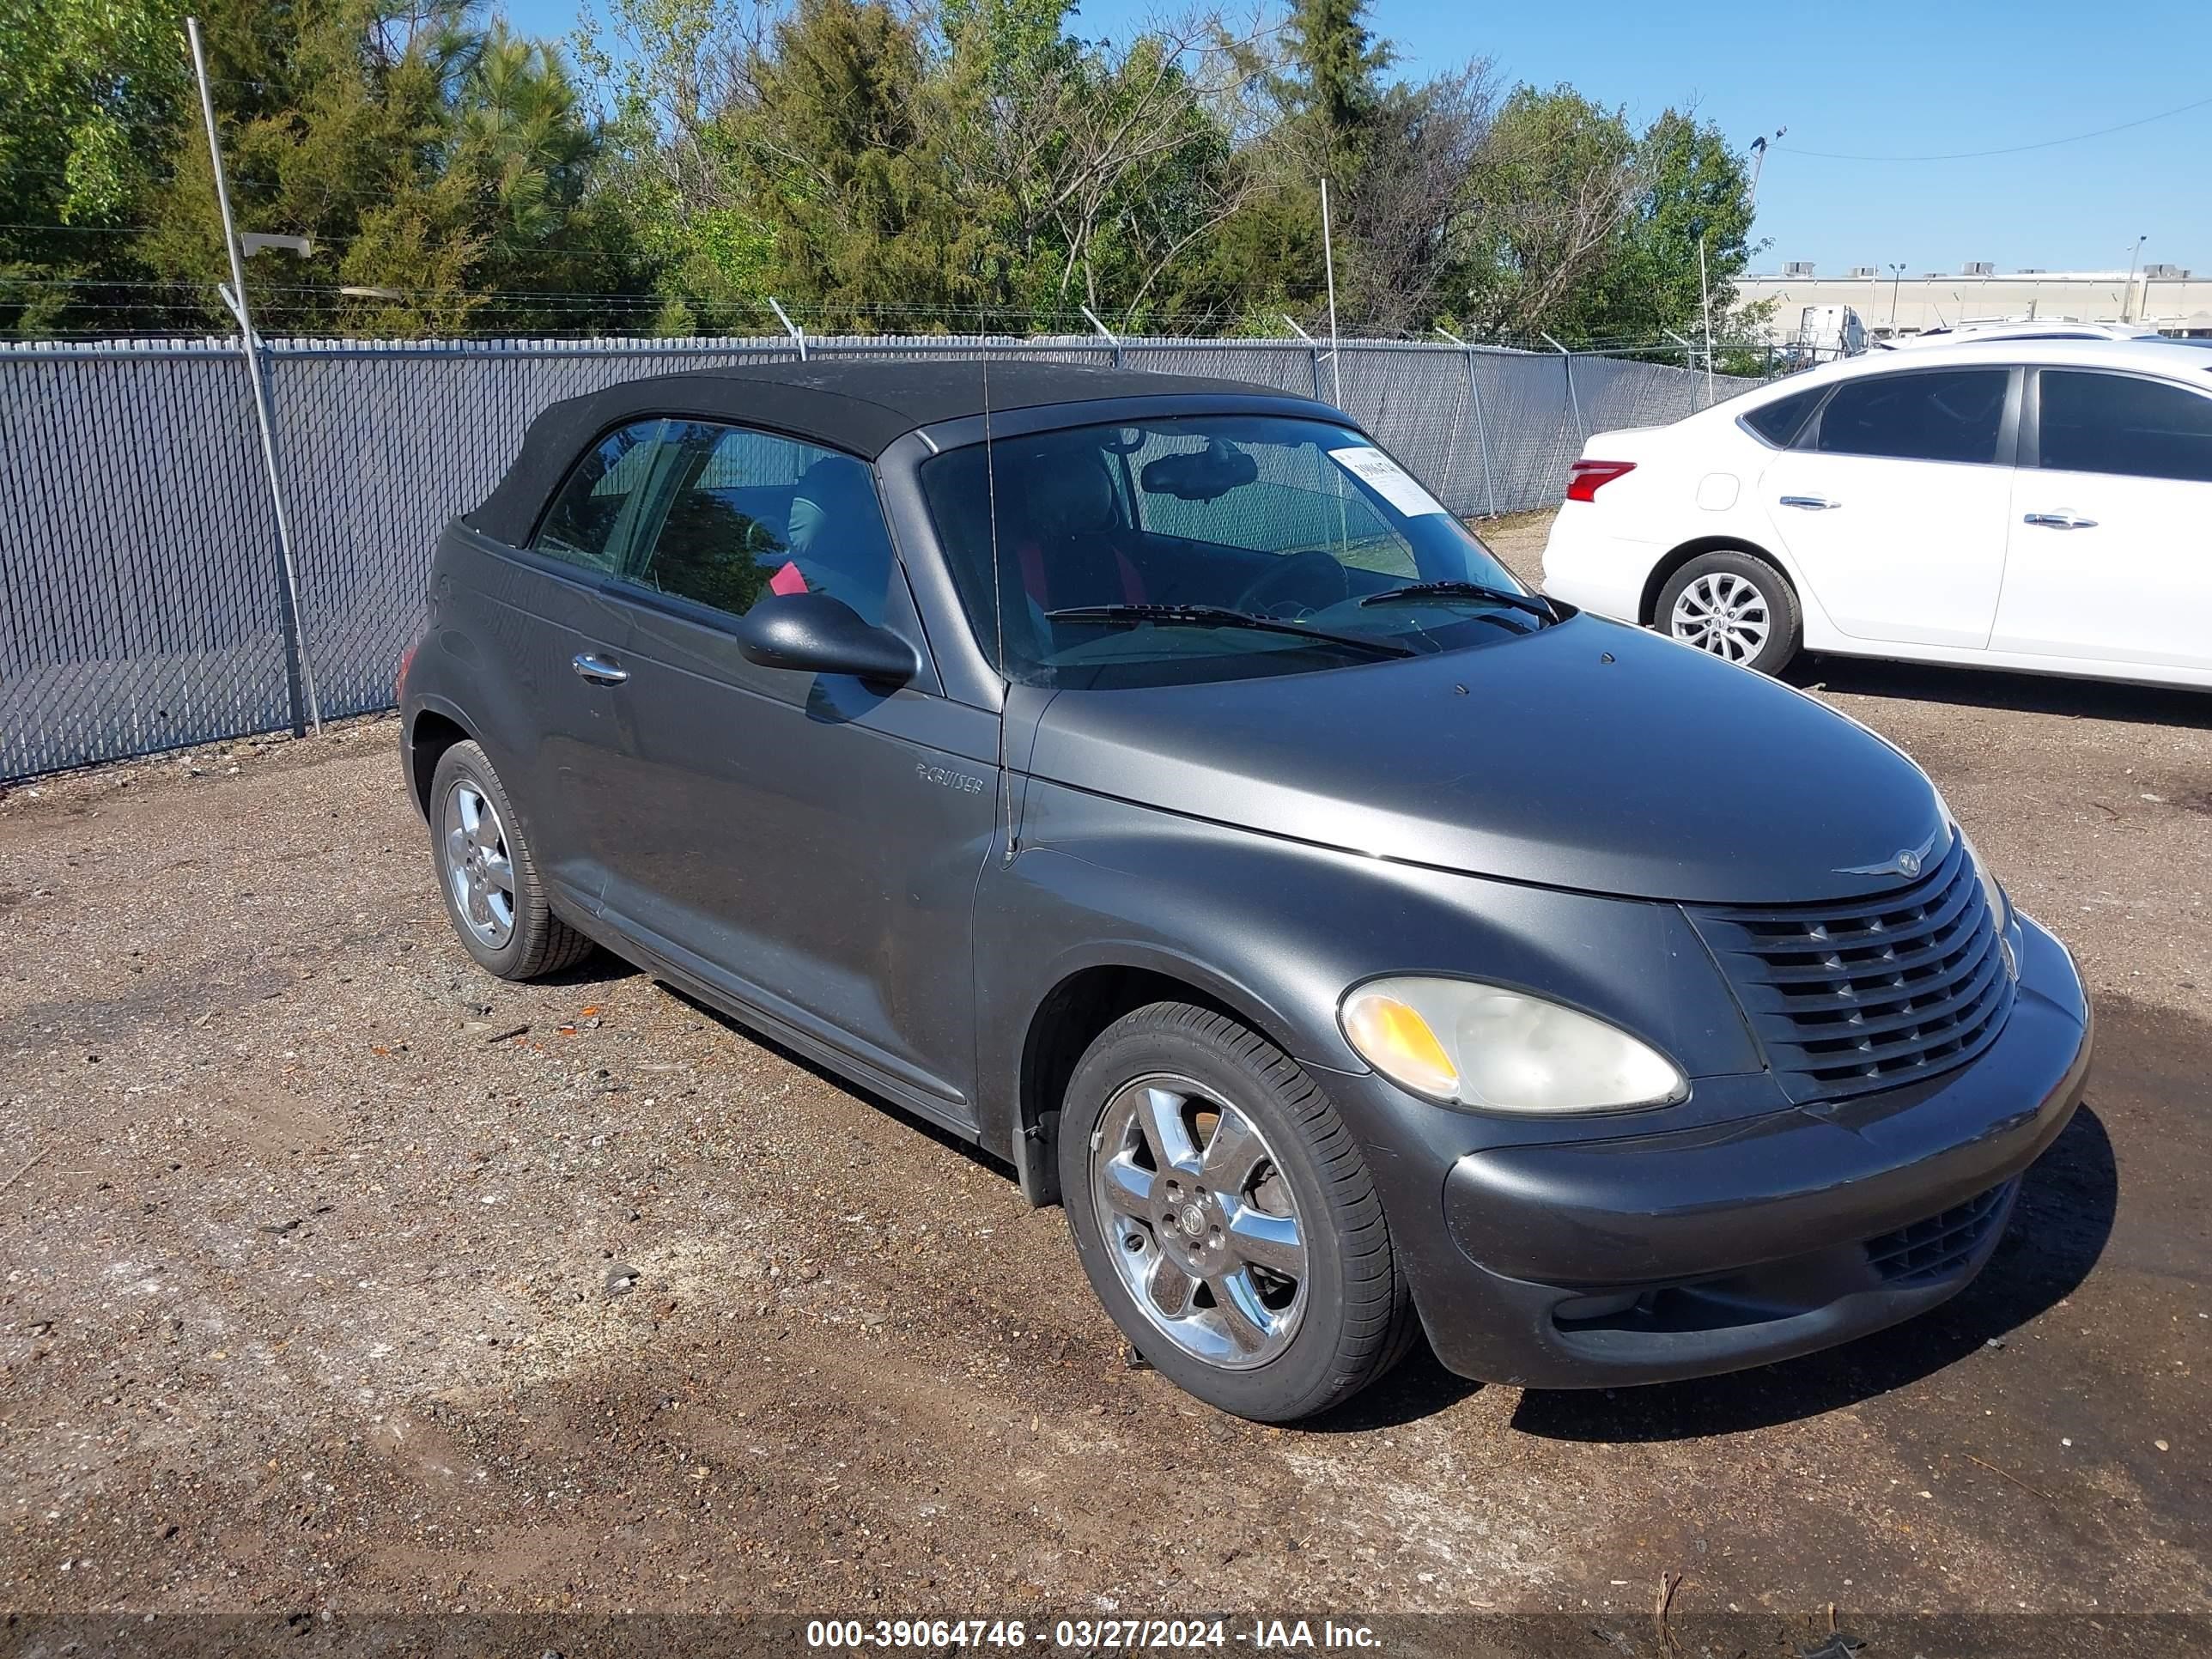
{"x":2164,"y":297}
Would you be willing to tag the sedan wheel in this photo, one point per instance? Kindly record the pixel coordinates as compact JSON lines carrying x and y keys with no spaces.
{"x":1724,"y":613}
{"x":1203,"y":1228}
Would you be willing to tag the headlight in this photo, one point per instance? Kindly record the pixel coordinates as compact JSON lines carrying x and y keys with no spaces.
{"x":1503,"y":1051}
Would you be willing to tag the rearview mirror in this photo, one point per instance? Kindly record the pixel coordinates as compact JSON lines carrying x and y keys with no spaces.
{"x":814,"y":633}
{"x":1205,"y":475}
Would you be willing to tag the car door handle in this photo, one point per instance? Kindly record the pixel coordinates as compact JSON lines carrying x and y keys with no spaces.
{"x":2059,"y":521}
{"x":597,"y":669}
{"x":1810,"y":503}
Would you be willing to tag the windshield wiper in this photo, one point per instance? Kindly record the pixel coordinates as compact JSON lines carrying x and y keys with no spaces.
{"x":1414,"y":593}
{"x":1217,"y":616}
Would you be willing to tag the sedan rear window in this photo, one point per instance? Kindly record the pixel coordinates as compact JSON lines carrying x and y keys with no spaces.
{"x":2119,"y":423}
{"x":1946,"y":415}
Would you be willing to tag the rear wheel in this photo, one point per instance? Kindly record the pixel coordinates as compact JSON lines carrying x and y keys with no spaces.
{"x":1734,"y":604}
{"x":493,"y":896}
{"x":1226,"y":1217}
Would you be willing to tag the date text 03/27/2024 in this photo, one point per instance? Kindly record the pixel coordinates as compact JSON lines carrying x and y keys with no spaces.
{"x":1090,"y":1635}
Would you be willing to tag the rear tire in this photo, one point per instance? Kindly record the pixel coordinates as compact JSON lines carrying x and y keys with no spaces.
{"x":494,"y":894}
{"x":1734,"y":604}
{"x":1226,"y":1217}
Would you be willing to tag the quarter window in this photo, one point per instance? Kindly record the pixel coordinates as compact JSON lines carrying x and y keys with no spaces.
{"x":2116,"y":423}
{"x":749,"y":512}
{"x":1945,"y":415}
{"x":1778,"y":421}
{"x":595,"y":519}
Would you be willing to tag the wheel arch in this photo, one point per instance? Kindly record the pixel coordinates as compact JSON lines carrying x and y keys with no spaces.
{"x":430,"y":732}
{"x":1069,"y":1018}
{"x":1661,"y":573}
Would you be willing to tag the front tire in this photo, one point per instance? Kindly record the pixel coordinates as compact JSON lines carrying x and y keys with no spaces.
{"x":494,"y":894}
{"x":1226,"y":1217}
{"x":1734,"y":604}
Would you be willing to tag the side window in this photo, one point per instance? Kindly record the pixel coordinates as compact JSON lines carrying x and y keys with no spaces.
{"x":2116,"y":423}
{"x":1944,"y":414}
{"x":1778,"y":421}
{"x":750,"y":512}
{"x":595,"y":518}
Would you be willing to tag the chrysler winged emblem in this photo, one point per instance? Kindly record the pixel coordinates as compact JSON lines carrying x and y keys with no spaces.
{"x":1907,"y":861}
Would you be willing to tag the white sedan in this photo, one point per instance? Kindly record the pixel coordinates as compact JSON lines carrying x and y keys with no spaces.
{"x":2004,"y":502}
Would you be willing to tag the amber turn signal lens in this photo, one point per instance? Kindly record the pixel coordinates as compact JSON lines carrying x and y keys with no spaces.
{"x":1398,"y":1042}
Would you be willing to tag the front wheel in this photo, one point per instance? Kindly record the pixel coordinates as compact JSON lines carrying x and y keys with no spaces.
{"x":1226,"y":1217}
{"x":1735,"y":605}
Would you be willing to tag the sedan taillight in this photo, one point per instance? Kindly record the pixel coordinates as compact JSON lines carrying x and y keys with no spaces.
{"x":1590,"y":476}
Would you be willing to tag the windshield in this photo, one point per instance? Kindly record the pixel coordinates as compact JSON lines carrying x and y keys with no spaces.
{"x":1133,"y":555}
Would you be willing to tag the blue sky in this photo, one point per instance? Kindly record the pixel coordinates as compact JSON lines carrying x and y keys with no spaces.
{"x":1873,"y":77}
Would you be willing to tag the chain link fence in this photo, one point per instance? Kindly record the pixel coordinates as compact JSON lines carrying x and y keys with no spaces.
{"x":138,"y":551}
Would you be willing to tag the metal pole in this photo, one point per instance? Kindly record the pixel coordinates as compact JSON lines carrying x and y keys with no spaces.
{"x":299,"y":677}
{"x":2128,"y":293}
{"x":1482,"y":433}
{"x":1092,"y":317}
{"x":789,"y":327}
{"x":1313,"y":351}
{"x":1567,"y":362}
{"x":1328,"y":266}
{"x":1705,"y":294}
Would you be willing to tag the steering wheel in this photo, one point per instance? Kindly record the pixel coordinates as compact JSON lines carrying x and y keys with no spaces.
{"x":1301,"y":583}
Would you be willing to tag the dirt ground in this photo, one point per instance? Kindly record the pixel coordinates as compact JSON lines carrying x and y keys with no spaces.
{"x":339,"y":1275}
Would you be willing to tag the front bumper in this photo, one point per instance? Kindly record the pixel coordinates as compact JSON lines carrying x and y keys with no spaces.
{"x":1648,"y":1258}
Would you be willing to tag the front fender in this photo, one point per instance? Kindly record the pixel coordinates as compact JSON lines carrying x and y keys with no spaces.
{"x":1277,"y":930}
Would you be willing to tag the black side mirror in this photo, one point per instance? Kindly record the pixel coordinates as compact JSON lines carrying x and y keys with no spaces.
{"x":814,"y":633}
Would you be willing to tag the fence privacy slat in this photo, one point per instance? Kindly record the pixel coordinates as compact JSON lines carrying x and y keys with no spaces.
{"x":137,"y":609}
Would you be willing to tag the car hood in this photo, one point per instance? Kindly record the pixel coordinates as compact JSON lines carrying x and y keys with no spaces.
{"x":1585,"y":755}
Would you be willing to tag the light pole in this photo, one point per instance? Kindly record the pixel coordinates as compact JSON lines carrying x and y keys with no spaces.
{"x":1758,"y":165}
{"x":1896,"y":276}
{"x":2127,"y":293}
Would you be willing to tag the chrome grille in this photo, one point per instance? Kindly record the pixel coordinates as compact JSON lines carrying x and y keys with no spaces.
{"x":1848,"y":997}
{"x":1939,"y":1246}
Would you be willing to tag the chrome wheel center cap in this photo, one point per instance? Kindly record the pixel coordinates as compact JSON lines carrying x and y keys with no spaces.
{"x":1192,"y":1219}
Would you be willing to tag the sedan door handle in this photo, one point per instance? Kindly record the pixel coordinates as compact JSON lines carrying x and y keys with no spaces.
{"x":597,"y":669}
{"x":2059,"y":521}
{"x":1810,"y":503}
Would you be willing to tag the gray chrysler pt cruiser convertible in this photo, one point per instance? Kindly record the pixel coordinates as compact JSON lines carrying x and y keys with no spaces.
{"x":1147,"y":780}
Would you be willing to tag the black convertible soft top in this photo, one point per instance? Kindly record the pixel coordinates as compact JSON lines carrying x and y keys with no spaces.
{"x":862,"y":407}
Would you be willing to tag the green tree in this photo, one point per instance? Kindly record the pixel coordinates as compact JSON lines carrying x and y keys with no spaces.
{"x":86,"y":89}
{"x":1336,"y":67}
{"x":1545,"y":202}
{"x":848,"y":171}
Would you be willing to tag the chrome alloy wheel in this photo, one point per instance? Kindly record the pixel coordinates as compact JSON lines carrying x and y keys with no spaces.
{"x":479,"y":869}
{"x":1199,"y":1221}
{"x":1723,"y":613}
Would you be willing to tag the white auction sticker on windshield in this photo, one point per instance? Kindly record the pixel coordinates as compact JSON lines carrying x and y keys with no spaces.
{"x":1387,"y":479}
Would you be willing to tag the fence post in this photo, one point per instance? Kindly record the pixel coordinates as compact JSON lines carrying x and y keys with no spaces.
{"x":1481,"y":432}
{"x":1120,"y":361}
{"x":791,"y":328}
{"x":1567,"y":359}
{"x":1313,"y":354}
{"x":299,"y":675}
